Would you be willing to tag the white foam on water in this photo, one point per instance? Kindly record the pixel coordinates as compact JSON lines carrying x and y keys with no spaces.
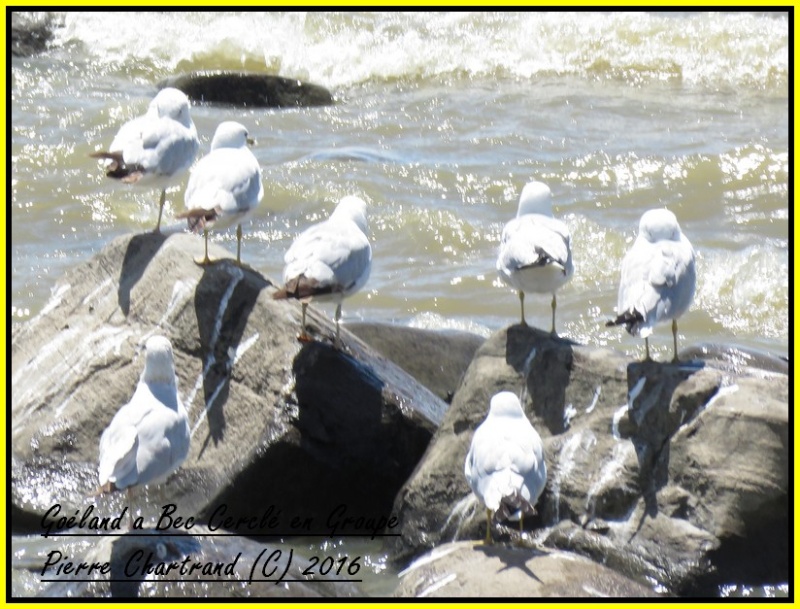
{"x":344,"y":49}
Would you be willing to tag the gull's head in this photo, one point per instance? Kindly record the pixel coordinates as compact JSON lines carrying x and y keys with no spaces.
{"x":159,"y":365}
{"x":659,"y":225}
{"x":535,"y":199}
{"x":352,"y":208}
{"x":230,"y":134}
{"x":505,"y":404}
{"x":172,"y":103}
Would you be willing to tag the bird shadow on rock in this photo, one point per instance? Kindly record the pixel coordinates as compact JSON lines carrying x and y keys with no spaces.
{"x":133,"y":553}
{"x":545,"y":363}
{"x":224,"y":299}
{"x":662,"y":397}
{"x":140,"y":251}
{"x":511,"y":557}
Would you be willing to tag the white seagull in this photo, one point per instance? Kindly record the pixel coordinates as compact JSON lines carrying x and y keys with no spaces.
{"x":658,"y":278}
{"x":330,"y":260}
{"x":148,"y":438}
{"x":535,"y":254}
{"x":155,"y":149}
{"x":505,"y":465}
{"x":225,"y":186}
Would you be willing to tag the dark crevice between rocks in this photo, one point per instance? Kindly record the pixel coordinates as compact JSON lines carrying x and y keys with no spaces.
{"x":761,"y":556}
{"x":292,"y":485}
{"x":23,"y":522}
{"x":366,"y":433}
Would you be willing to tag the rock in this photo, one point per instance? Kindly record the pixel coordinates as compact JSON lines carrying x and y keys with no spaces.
{"x":303,"y":428}
{"x":469,"y":570}
{"x":688,"y":461}
{"x":176,"y":563}
{"x":436,"y":359}
{"x":736,"y":358}
{"x":249,"y":90}
{"x":30,"y":32}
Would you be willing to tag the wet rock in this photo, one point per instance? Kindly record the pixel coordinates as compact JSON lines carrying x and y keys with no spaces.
{"x":469,"y":570}
{"x":669,"y":472}
{"x":737,"y":359}
{"x":30,"y":32}
{"x":435,"y":358}
{"x":303,"y":428}
{"x":249,"y":90}
{"x":153,"y":564}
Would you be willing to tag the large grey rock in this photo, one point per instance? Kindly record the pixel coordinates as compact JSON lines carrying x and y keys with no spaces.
{"x":303,"y":428}
{"x":435,"y":358}
{"x":249,"y":90}
{"x":469,"y":570}
{"x":670,"y":472}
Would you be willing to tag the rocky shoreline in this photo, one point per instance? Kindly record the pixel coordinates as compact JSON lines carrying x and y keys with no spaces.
{"x":664,"y":479}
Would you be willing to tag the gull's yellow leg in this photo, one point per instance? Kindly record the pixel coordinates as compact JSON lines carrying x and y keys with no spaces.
{"x":205,"y":260}
{"x":337,"y":316}
{"x":239,"y":245}
{"x":160,"y":210}
{"x":675,"y":340}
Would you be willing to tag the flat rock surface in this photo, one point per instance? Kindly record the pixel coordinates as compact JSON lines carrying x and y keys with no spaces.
{"x":474,"y":570}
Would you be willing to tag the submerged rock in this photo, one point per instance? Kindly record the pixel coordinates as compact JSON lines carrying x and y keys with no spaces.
{"x":303,"y":428}
{"x":249,"y":90}
{"x":675,"y":473}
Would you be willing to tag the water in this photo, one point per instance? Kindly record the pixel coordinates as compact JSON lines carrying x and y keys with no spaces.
{"x":440,"y":120}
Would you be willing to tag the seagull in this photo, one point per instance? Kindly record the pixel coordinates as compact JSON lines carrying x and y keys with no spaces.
{"x":658,"y":278}
{"x":505,"y":465}
{"x":155,"y":149}
{"x":535,"y":253}
{"x":225,"y":186}
{"x":148,"y":438}
{"x":330,"y":260}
